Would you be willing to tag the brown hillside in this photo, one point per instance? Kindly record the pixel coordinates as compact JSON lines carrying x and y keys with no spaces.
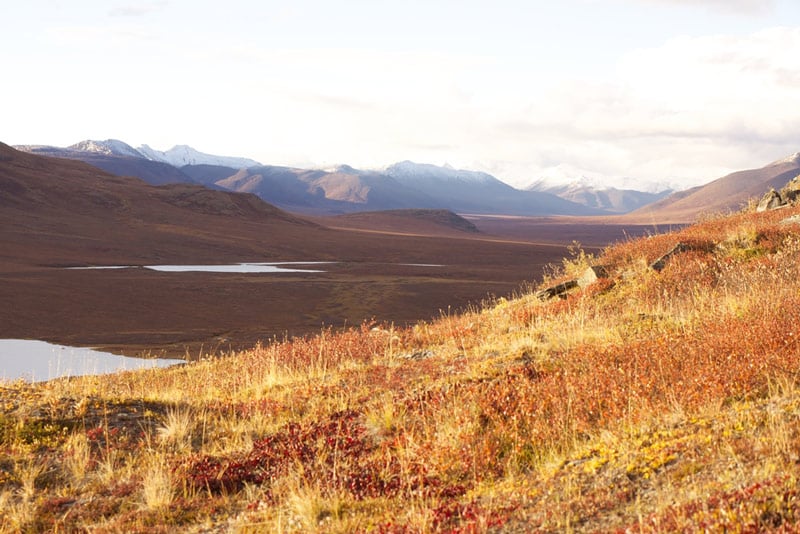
{"x":412,"y":221}
{"x":730,"y":192}
{"x":60,"y":211}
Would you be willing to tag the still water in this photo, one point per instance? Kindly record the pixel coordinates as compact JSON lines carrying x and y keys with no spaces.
{"x":37,"y":361}
{"x":234,"y":268}
{"x":230,"y":268}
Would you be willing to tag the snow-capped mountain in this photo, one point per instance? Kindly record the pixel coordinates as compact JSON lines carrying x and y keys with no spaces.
{"x":564,"y":175}
{"x":109,"y":147}
{"x":408,"y":172}
{"x":177,"y":156}
{"x":792,"y":159}
{"x":181,"y":155}
{"x":340,"y":189}
{"x":478,"y":192}
{"x":609,"y":199}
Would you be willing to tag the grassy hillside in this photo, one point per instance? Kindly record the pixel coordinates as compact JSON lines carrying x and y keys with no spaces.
{"x":651,"y":401}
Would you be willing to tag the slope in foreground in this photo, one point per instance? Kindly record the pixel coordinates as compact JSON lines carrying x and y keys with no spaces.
{"x":650,"y":400}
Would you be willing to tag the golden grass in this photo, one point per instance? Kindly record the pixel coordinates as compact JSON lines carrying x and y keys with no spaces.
{"x":651,"y":401}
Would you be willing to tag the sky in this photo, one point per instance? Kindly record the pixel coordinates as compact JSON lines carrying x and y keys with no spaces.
{"x":634,"y":93}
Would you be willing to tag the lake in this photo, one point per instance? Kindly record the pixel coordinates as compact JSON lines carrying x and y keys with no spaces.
{"x":37,"y":361}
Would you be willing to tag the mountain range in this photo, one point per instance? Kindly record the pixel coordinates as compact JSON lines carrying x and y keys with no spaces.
{"x":409,"y":185}
{"x":342,"y":189}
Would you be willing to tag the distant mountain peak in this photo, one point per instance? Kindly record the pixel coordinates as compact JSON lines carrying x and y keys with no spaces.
{"x":182,"y":155}
{"x":111,"y":147}
{"x":792,"y":159}
{"x":177,"y":156}
{"x":410,"y":171}
{"x":344,"y":168}
{"x":565,"y":176}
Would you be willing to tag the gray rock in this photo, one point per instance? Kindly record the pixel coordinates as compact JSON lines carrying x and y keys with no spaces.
{"x":661,"y":262}
{"x":557,"y":290}
{"x":592,"y":275}
{"x":417,"y":355}
{"x":770,"y":201}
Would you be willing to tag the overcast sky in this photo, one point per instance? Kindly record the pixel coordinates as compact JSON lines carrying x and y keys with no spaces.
{"x":657,"y":91}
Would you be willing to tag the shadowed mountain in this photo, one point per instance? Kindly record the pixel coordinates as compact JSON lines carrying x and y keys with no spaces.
{"x":62,"y":209}
{"x":208,"y":175}
{"x":402,"y":186}
{"x":730,"y":192}
{"x":119,"y":164}
{"x":477,"y":192}
{"x":316,"y":191}
{"x":407,"y":221}
{"x":344,"y":189}
{"x":611,"y":200}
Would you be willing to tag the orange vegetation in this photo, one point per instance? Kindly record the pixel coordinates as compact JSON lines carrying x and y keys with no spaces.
{"x":649,"y":401}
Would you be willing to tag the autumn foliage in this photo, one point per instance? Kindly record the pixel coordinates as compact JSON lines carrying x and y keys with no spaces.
{"x":652,"y":400}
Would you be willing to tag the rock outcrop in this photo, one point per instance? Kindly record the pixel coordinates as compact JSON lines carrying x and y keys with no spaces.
{"x":557,"y":290}
{"x":592,"y":275}
{"x":779,"y":199}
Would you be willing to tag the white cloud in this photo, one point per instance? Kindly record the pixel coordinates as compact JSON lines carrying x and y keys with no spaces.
{"x":685,"y":112}
{"x":136,"y":9}
{"x":742,"y":7}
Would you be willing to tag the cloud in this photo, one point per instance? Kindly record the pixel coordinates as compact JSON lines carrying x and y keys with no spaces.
{"x":136,"y":10}
{"x":681,"y":113}
{"x":685,"y":112}
{"x":741,"y":7}
{"x":107,"y":34}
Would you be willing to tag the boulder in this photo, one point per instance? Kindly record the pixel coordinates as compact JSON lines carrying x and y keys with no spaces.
{"x":592,"y":275}
{"x":791,"y":192}
{"x":770,"y":201}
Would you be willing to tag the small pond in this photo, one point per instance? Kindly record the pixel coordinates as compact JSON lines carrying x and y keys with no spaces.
{"x":228,"y":268}
{"x":233,"y":268}
{"x":37,"y":361}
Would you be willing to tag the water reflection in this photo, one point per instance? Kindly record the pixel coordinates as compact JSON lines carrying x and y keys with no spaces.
{"x":36,"y":361}
{"x":233,"y":268}
{"x":229,"y":268}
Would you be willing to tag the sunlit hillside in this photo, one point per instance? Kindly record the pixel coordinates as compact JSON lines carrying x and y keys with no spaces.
{"x":650,"y":400}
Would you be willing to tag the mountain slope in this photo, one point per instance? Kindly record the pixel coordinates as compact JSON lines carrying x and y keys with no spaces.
{"x":109,"y":147}
{"x":727,"y":193}
{"x":608,"y":199}
{"x":208,"y":175}
{"x":476,"y":192}
{"x":153,"y":166}
{"x":115,"y":158}
{"x":405,"y":221}
{"x":59,"y":208}
{"x":343,"y":189}
{"x":404,"y":185}
{"x":181,"y":155}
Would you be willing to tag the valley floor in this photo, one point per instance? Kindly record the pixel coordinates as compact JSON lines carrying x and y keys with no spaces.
{"x":395,"y":277}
